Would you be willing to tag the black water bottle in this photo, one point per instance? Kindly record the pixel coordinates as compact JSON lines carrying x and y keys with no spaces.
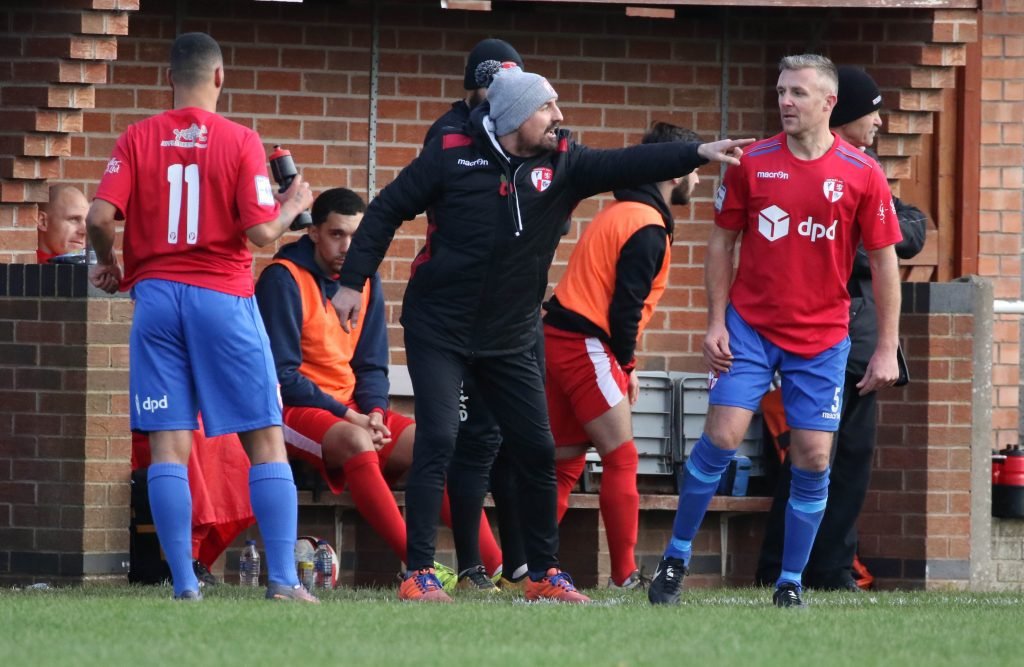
{"x":282,"y":167}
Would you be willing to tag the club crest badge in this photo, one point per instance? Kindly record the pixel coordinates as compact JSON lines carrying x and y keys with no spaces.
{"x":833,"y":189}
{"x":541,"y":178}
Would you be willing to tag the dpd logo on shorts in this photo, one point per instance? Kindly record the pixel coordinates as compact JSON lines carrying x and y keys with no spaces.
{"x":150,"y":404}
{"x":541,"y":178}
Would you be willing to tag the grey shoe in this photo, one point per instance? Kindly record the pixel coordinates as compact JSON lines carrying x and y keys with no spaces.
{"x":189,"y":596}
{"x":476,"y":579}
{"x":636,"y":581}
{"x":294,"y":593}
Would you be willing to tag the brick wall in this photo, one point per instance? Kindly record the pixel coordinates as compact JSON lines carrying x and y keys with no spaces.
{"x":64,"y":445}
{"x":1008,"y":553}
{"x":299,"y":75}
{"x":1002,"y":205}
{"x":54,"y":53}
{"x":916,"y":525}
{"x":1000,"y":238}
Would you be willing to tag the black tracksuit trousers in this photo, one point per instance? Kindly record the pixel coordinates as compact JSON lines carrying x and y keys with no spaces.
{"x":831,"y":561}
{"x":513,"y":389}
{"x":468,"y":480}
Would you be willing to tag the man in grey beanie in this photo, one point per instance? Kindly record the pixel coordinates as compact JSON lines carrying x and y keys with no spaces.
{"x":500,"y":188}
{"x":514,"y":96}
{"x":479,"y":439}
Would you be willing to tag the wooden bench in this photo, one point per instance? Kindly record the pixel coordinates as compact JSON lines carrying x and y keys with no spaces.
{"x":725,"y":506}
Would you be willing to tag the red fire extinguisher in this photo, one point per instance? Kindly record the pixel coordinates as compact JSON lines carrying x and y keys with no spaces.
{"x":1008,"y":488}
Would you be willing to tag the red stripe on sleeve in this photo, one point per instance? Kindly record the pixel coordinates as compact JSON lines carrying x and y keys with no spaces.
{"x":455,"y":141}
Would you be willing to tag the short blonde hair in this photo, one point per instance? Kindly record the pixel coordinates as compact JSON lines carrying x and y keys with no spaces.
{"x":825,"y":68}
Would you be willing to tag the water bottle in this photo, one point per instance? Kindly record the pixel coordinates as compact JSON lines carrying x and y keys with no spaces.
{"x":282,"y":167}
{"x":323,"y":559}
{"x":742,"y":477}
{"x":306,"y":571}
{"x":249,"y":565}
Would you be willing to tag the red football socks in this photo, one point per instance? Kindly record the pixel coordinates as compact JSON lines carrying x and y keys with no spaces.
{"x":374,"y":500}
{"x":620,"y":508}
{"x":567,"y":473}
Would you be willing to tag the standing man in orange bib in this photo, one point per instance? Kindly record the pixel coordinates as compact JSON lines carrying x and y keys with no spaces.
{"x":616,"y":275}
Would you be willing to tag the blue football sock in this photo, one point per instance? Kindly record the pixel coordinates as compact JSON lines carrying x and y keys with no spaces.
{"x":808,"y":494}
{"x":704,"y":468}
{"x":275,"y":505}
{"x":170,"y":502}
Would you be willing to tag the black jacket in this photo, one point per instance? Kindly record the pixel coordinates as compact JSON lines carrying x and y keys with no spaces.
{"x":863,"y":315}
{"x":455,"y":117}
{"x":477,"y":285}
{"x":640,"y":259}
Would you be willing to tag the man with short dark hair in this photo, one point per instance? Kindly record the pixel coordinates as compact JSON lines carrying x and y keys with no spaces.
{"x":614,"y":279}
{"x":803,"y":200}
{"x":501,"y":188}
{"x":856,"y":120}
{"x":193,"y":190}
{"x":61,"y":223}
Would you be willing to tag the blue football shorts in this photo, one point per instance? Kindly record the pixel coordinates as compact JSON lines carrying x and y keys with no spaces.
{"x":195,"y":349}
{"x":812,"y":389}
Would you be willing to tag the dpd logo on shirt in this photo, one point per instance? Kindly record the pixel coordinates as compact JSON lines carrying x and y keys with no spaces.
{"x":541,"y":178}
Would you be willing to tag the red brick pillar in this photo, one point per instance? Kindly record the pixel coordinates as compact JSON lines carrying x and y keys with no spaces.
{"x":922,"y":523}
{"x":64,"y":439}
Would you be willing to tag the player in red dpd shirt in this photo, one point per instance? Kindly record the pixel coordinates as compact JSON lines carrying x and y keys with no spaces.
{"x":802,"y":200}
{"x":192,"y":189}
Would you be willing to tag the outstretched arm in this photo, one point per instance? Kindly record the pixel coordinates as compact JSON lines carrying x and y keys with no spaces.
{"x":728,"y":151}
{"x":596,"y":171}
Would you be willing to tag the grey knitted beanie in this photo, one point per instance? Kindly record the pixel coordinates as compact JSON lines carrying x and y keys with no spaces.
{"x":514,"y":96}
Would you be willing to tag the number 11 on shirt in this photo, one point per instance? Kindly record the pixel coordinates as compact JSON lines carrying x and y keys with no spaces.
{"x":191,"y":178}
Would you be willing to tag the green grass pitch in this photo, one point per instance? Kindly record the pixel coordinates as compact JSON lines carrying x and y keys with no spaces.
{"x":143,"y":627}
